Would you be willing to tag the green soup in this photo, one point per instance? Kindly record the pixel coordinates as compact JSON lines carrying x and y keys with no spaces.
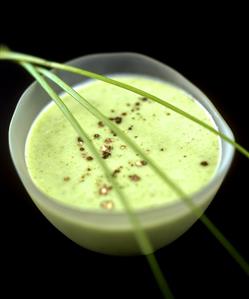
{"x":62,"y":167}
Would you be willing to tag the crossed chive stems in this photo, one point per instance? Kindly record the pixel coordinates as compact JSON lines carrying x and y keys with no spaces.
{"x":33,"y":66}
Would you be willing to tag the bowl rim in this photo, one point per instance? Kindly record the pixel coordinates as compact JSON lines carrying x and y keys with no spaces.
{"x":75,"y":212}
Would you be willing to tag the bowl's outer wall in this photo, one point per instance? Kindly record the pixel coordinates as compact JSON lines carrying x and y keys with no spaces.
{"x":113,"y":234}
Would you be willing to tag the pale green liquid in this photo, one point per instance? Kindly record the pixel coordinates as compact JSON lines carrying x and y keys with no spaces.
{"x":59,"y":167}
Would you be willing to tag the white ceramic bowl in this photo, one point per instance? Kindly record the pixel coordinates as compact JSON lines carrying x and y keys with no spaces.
{"x":112,"y":233}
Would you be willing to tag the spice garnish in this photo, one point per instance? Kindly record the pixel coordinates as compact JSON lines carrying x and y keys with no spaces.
{"x":104,"y":190}
{"x":140,"y":163}
{"x":134,"y":178}
{"x":101,"y":124}
{"x":107,"y":204}
{"x":108,"y":140}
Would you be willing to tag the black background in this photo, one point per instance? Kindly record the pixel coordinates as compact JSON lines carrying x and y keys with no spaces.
{"x":209,"y":47}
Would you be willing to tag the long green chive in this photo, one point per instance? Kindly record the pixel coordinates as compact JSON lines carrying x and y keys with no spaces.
{"x":15,"y":56}
{"x":166,"y":179}
{"x":140,"y":234}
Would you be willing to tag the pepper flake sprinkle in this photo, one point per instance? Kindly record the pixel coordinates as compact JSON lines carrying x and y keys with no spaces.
{"x":107,"y":204}
{"x":134,"y":178}
{"x":80,"y":141}
{"x":140,"y":163}
{"x":104,"y":190}
{"x":108,"y":140}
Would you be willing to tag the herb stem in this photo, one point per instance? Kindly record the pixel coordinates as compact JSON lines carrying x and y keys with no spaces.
{"x":166,"y":179}
{"x":140,"y":234}
{"x":15,"y":56}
